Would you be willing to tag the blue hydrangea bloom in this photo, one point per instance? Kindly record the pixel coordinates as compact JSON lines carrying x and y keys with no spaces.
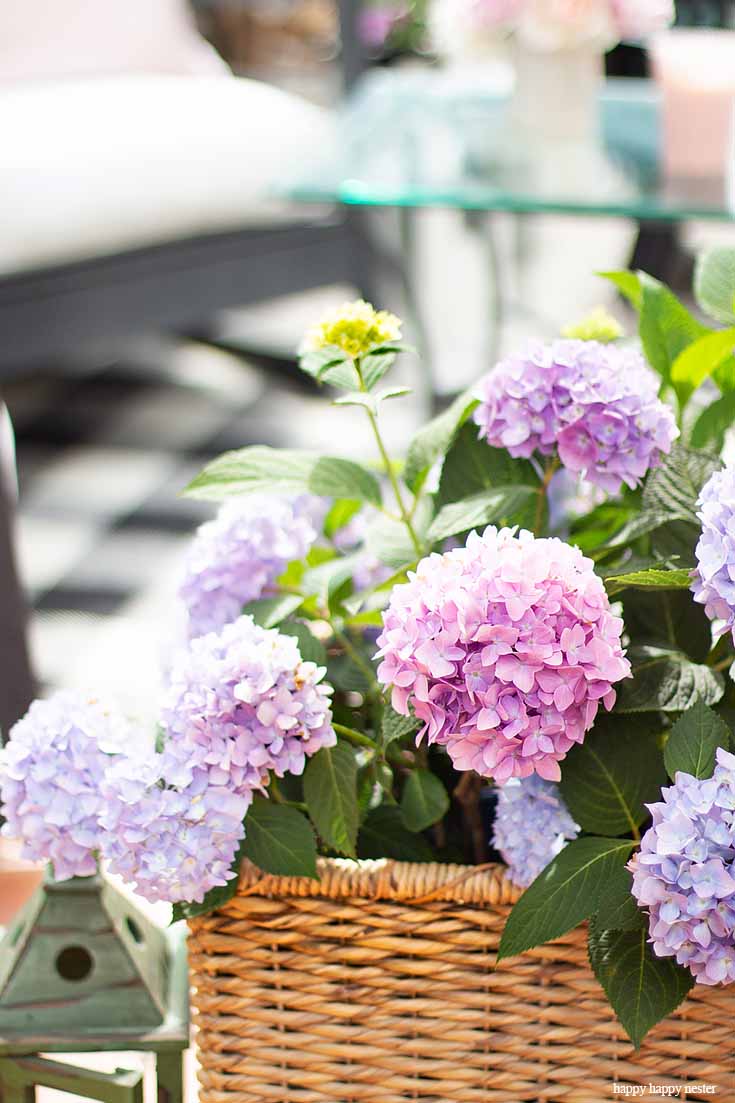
{"x":532,"y":824}
{"x":714,"y":579}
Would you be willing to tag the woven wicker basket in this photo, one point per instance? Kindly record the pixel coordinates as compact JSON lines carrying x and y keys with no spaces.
{"x":378,"y":983}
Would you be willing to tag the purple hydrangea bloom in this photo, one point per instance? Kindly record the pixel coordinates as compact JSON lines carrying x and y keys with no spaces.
{"x":51,"y":772}
{"x":714,"y":579}
{"x":168,"y":831}
{"x":594,"y":406}
{"x":237,"y":557}
{"x":505,"y":649}
{"x":684,"y":873}
{"x":241,"y":703}
{"x":532,"y":824}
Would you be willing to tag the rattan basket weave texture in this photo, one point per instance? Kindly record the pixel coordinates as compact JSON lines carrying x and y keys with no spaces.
{"x":378,"y":983}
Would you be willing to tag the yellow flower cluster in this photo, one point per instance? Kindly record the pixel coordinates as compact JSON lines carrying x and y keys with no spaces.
{"x":356,"y":328}
{"x":597,"y":326}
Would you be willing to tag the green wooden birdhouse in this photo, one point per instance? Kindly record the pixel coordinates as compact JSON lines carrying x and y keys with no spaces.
{"x":81,"y":959}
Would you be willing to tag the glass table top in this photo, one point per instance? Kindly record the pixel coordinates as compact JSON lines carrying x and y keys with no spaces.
{"x":427,"y":138}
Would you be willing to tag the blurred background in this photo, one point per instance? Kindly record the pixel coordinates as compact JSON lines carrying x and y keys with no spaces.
{"x":187,"y":186}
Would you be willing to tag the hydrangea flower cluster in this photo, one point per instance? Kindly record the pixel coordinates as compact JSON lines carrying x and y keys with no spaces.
{"x":595,"y":406}
{"x":241,"y":702}
{"x":237,"y":557}
{"x":168,"y":831}
{"x":684,"y":873}
{"x":356,"y":328}
{"x":713,"y":582}
{"x":51,"y":772}
{"x":532,"y":824}
{"x":505,"y":649}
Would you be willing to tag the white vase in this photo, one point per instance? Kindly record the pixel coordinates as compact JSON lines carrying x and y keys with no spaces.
{"x":557,"y":96}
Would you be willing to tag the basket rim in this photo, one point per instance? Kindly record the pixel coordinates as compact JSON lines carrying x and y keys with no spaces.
{"x":387,"y":879}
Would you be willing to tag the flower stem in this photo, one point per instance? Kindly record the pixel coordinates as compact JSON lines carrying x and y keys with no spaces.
{"x":551,"y":469}
{"x":406,"y":517}
{"x":362,"y":664}
{"x":356,"y":737}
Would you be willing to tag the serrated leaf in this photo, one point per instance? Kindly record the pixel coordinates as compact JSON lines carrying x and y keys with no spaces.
{"x":433,"y":439}
{"x":310,"y":648}
{"x":654,"y":578}
{"x":424,"y":801}
{"x":607,"y":780}
{"x":673,"y":488}
{"x":693,"y":742}
{"x":667,"y":681}
{"x":268,"y":612}
{"x":395,"y":726}
{"x":714,"y":284}
{"x":279,"y":840}
{"x":472,"y":466}
{"x":618,"y":910}
{"x":642,"y":988}
{"x":563,"y":895}
{"x":384,"y":835}
{"x":330,"y":792}
{"x":699,"y":360}
{"x":262,"y":468}
{"x":648,"y":520}
{"x":485,"y":508}
{"x":216,"y":897}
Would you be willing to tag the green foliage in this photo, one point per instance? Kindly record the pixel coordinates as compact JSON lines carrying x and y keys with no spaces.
{"x":652,"y":578}
{"x":424,"y":800}
{"x":385,"y":835}
{"x":667,"y":681}
{"x":312,"y":650}
{"x":433,"y":440}
{"x":472,"y":466}
{"x":694,"y":740}
{"x":617,"y":909}
{"x":714,"y":284}
{"x":608,"y":779}
{"x":395,"y":726}
{"x":269,"y":612}
{"x":642,"y":988}
{"x":488,"y":507}
{"x":330,"y":791}
{"x":279,"y":840}
{"x":699,"y":360}
{"x":566,"y":893}
{"x":261,"y":468}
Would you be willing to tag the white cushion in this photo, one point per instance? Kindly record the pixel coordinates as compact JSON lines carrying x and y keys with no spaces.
{"x":47,"y":39}
{"x":101,"y":166}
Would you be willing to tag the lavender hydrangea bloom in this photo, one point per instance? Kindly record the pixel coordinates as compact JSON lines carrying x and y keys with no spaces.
{"x":51,"y":771}
{"x":714,"y":579}
{"x":532,"y":824}
{"x":505,"y":649}
{"x":237,"y":557}
{"x":241,"y":703}
{"x":684,"y":873}
{"x":167,"y":830}
{"x":595,"y":406}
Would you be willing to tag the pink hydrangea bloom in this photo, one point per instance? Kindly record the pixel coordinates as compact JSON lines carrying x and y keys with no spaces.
{"x":504,"y":649}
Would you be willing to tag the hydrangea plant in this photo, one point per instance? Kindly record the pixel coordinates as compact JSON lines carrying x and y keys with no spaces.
{"x":377,"y":650}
